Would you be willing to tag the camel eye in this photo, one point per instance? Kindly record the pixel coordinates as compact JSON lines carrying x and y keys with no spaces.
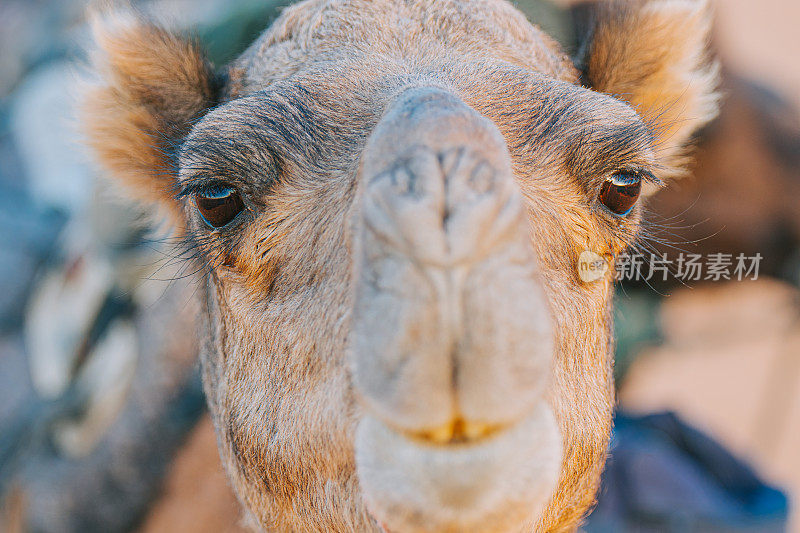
{"x":218,"y":205}
{"x":620,"y":192}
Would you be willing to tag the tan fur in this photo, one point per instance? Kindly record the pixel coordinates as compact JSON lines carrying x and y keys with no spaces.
{"x":289,"y":132}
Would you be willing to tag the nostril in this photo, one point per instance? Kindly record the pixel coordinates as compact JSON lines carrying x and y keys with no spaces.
{"x":472,"y":181}
{"x":483,"y":178}
{"x":470,"y":165}
{"x":403,"y":181}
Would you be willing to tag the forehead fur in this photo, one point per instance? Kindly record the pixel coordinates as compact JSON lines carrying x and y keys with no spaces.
{"x":342,"y":60}
{"x":430,"y":32}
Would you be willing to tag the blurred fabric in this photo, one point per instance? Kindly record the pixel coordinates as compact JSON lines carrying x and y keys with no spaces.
{"x":663,"y":475}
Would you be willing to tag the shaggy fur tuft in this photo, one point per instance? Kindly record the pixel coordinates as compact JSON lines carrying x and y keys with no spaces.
{"x":152,"y":85}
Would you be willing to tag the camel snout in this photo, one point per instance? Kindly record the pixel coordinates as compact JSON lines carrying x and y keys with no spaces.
{"x":451,"y":340}
{"x":451,"y":337}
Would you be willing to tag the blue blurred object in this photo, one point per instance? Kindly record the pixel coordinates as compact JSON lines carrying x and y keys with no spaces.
{"x":663,"y":475}
{"x":28,"y":235}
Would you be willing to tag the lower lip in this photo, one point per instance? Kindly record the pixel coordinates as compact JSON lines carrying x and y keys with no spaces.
{"x":458,"y":484}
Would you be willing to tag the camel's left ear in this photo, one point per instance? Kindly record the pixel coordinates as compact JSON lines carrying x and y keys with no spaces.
{"x":152,"y":84}
{"x":654,"y":55}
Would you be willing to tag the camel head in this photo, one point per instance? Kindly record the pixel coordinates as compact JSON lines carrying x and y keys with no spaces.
{"x":386,"y":203}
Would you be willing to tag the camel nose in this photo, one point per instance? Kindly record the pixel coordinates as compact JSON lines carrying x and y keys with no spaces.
{"x":439,"y":184}
{"x":451,"y":331}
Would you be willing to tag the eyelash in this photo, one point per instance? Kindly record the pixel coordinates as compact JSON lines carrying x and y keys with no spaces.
{"x":197,"y":185}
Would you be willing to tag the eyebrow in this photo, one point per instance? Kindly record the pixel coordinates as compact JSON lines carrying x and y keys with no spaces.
{"x":603,"y":148}
{"x":284,"y":120}
{"x":250,"y":136}
{"x":207,"y":158}
{"x":582,"y":141}
{"x":584,"y":133}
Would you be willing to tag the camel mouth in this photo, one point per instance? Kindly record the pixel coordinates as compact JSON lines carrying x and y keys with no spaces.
{"x":498,"y":478}
{"x":458,"y":432}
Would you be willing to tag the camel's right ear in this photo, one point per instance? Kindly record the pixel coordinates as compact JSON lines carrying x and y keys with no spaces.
{"x":653,"y":54}
{"x":152,"y":85}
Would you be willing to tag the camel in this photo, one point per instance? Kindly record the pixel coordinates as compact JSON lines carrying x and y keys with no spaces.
{"x":385,"y":203}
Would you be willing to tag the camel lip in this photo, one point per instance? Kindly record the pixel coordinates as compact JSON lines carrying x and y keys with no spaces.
{"x":504,"y":476}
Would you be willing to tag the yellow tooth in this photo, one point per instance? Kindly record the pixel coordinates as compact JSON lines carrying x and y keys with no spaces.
{"x":441,"y":435}
{"x":457,"y":431}
{"x":475,"y":430}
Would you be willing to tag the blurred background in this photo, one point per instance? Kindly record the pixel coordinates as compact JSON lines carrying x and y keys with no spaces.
{"x":102,"y":418}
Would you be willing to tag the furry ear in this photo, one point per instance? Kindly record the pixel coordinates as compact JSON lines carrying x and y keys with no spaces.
{"x":654,"y":55}
{"x":152,"y":85}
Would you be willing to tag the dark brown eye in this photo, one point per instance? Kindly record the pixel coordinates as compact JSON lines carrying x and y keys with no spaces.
{"x":620,"y":192}
{"x":218,"y":205}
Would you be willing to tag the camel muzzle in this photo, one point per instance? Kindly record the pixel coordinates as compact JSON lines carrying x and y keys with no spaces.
{"x":451,"y":344}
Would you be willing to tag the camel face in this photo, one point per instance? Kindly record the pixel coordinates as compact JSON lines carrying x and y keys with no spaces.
{"x":388,"y":201}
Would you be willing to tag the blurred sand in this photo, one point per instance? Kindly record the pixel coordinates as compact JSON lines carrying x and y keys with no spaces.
{"x":196,"y":495}
{"x":761,"y":40}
